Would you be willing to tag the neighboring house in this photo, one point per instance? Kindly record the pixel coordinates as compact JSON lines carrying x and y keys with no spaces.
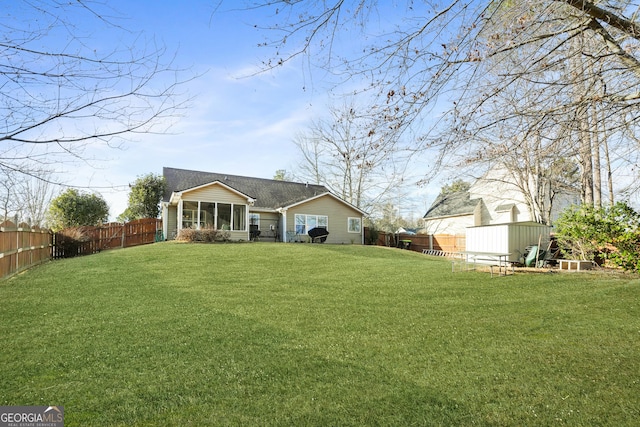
{"x":491,"y":200}
{"x":281,"y":210}
{"x":452,"y":213}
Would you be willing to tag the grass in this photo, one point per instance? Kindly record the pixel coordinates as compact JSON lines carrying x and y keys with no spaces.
{"x":292,"y":334}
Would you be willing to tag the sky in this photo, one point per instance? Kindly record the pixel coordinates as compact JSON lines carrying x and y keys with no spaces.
{"x":235,"y":123}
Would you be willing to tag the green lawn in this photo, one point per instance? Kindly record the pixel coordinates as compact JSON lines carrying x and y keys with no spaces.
{"x":296,"y":334}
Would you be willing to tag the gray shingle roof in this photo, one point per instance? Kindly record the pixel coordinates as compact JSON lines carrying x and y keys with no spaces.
{"x":450,"y":204}
{"x":268,"y":193}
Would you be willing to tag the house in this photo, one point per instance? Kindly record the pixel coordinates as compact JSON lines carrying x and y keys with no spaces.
{"x":452,"y":213}
{"x":280,"y":210}
{"x":489,"y":200}
{"x":493,"y":215}
{"x":492,"y":199}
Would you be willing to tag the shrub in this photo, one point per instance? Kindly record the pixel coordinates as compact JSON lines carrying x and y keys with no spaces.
{"x":68,"y":241}
{"x":372,"y":236}
{"x":611,"y":234}
{"x":206,"y":235}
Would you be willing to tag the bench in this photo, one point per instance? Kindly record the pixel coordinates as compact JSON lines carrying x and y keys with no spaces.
{"x":491,"y":259}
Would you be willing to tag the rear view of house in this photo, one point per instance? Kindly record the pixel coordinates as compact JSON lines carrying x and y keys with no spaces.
{"x":246,"y":207}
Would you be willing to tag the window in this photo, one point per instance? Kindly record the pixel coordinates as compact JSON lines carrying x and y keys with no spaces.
{"x":304,"y":223}
{"x":354,"y":225}
{"x":210,"y":208}
{"x":190,"y":215}
{"x":301,"y":224}
{"x":254,"y":219}
{"x":222,"y":216}
{"x":239,"y":217}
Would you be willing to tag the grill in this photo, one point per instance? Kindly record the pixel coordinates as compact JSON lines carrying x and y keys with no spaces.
{"x":318,"y":234}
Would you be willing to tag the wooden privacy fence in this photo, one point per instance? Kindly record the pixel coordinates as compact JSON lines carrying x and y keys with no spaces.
{"x":22,"y":246}
{"x":445,"y":243}
{"x":77,"y":241}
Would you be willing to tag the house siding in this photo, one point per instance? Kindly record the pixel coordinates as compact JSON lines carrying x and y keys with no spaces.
{"x":449,"y":225}
{"x":172,"y":222}
{"x":338,"y":214}
{"x":214,"y":193}
{"x":496,"y":189}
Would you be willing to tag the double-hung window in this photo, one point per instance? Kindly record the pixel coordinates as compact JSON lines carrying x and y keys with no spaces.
{"x":354,"y":224}
{"x":304,"y":223}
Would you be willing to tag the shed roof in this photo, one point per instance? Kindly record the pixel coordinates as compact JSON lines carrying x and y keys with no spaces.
{"x":268,"y":193}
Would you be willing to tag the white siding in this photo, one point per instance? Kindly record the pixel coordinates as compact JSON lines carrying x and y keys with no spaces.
{"x":449,"y":225}
{"x":496,"y":189}
{"x":507,"y":238}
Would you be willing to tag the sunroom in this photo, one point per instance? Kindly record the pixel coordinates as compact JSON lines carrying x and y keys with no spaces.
{"x":215,"y":205}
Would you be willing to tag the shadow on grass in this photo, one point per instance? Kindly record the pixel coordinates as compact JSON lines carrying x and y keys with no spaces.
{"x":219,"y":368}
{"x":174,"y":360}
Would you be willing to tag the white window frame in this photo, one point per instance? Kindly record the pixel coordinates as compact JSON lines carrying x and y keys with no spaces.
{"x":307,"y":218}
{"x":354,"y":220}
{"x":198,"y":219}
{"x":254,"y":219}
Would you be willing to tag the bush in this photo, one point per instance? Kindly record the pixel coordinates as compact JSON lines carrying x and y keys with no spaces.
{"x":611,"y":234}
{"x":206,"y":235}
{"x":69,"y":240}
{"x":372,"y":236}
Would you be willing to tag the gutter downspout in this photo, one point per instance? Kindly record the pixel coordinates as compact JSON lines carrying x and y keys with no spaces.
{"x":250,"y":203}
{"x":165,"y":220}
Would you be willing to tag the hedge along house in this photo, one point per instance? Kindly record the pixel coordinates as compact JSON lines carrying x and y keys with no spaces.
{"x":281,"y":211}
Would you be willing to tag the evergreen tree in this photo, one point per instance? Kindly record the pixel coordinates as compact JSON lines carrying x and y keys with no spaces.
{"x":144,"y":198}
{"x":74,"y":209}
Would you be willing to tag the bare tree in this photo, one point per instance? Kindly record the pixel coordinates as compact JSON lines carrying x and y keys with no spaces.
{"x":8,"y":188}
{"x":579,"y":59}
{"x":25,"y":198}
{"x":358,"y":158}
{"x":61,"y":90}
{"x":565,"y":98}
{"x":34,"y":196}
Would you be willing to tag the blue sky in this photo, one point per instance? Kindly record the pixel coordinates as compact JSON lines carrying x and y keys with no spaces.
{"x":235,"y":124}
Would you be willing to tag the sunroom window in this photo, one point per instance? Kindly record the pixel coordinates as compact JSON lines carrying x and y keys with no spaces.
{"x":239,"y":217}
{"x":222,"y":216}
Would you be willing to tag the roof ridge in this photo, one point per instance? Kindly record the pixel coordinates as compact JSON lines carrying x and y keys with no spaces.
{"x":244,"y":177}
